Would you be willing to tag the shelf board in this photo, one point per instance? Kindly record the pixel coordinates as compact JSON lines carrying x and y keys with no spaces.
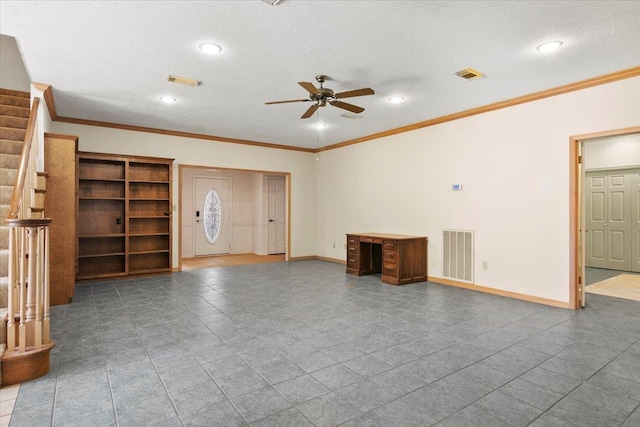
{"x":101,"y":255}
{"x":147,"y":199}
{"x":98,"y":236}
{"x":150,"y":270}
{"x":100,"y":276}
{"x":150,"y":217}
{"x":103,"y":179}
{"x":159,"y":251}
{"x":144,"y":181}
{"x":102,"y":198}
{"x":148,"y":234}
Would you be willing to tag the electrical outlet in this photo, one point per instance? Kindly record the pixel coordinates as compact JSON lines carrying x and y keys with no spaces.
{"x":118,"y":221}
{"x":334,"y":245}
{"x":433,"y":262}
{"x":485,"y":265}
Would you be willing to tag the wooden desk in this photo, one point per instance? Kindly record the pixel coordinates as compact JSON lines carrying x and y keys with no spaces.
{"x":401,"y":259}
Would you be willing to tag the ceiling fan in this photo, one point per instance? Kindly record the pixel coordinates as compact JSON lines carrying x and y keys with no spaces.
{"x":322,"y":95}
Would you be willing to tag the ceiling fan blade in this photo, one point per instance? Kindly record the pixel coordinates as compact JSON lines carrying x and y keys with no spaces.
{"x":357,"y":92}
{"x":290,"y":100}
{"x":345,"y":106}
{"x":310,"y":88}
{"x":310,"y":111}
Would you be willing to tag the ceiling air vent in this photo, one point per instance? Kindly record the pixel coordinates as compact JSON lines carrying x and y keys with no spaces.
{"x":469,"y":74}
{"x":272,"y":2}
{"x":182,"y":80}
{"x":350,"y":116}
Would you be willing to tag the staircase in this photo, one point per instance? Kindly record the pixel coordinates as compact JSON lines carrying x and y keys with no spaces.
{"x":25,"y":299}
{"x":14,"y":115}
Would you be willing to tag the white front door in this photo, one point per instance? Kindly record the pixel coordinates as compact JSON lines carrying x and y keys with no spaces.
{"x":277,"y":214}
{"x":212,"y":211}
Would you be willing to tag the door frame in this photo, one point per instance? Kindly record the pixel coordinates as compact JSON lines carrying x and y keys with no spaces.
{"x":576,"y":205}
{"x":286,"y":175}
{"x":230,"y":204}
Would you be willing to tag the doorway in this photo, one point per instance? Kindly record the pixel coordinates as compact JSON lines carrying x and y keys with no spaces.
{"x":599,"y":245}
{"x":212,"y":202}
{"x":248,"y":206}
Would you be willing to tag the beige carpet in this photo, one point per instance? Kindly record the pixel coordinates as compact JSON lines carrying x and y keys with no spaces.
{"x":625,"y":286}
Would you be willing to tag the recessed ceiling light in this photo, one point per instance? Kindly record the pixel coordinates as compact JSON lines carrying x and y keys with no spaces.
{"x":168,"y":99}
{"x":319,"y":126}
{"x":396,"y":99}
{"x":549,"y":46}
{"x":211,"y":48}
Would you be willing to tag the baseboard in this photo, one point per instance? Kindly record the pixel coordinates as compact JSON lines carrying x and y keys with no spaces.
{"x":321,"y":258}
{"x":516,"y":295}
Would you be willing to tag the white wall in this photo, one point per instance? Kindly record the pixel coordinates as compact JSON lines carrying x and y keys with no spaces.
{"x":612,"y":152}
{"x":13,"y":74}
{"x":247,"y":217}
{"x":514,"y":167}
{"x":197,"y":152}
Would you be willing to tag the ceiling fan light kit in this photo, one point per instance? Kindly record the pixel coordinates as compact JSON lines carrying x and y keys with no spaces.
{"x":322,"y":96}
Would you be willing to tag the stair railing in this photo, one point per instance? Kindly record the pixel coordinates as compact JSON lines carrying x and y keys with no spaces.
{"x":28,"y":300}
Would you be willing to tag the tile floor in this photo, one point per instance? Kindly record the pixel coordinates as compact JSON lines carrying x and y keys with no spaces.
{"x":303,"y":344}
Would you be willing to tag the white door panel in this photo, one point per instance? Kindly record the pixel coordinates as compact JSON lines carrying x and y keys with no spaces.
{"x":277,"y":215}
{"x":611,"y":213}
{"x":635,"y":220}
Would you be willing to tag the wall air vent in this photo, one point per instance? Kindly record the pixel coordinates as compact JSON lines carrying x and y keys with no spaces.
{"x":182,"y":80}
{"x":272,"y":2}
{"x":457,"y":255}
{"x":350,"y":116}
{"x":469,"y":74}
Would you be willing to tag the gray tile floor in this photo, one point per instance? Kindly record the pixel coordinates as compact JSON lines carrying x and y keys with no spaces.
{"x":595,"y":275}
{"x":302,"y":344}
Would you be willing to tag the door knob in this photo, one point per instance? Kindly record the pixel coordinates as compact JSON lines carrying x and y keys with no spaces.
{"x":272,"y":220}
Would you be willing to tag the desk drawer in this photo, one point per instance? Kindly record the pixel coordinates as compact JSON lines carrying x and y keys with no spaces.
{"x":389,"y":268}
{"x":371,"y":240}
{"x":390,"y":244}
{"x":390,"y":255}
{"x":352,"y":261}
{"x":352,"y":241}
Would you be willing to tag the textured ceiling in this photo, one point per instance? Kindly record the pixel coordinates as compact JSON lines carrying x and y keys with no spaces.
{"x":108,"y":60}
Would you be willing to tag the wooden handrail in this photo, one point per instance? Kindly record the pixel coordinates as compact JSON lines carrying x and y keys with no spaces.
{"x":16,"y":196}
{"x":28,"y":222}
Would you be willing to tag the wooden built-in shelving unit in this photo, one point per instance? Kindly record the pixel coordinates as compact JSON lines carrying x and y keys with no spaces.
{"x":124,"y":215}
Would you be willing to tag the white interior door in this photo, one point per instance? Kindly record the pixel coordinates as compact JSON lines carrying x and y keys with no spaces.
{"x":212,"y":211}
{"x":277,"y":214}
{"x":618,"y":225}
{"x":608,"y":206}
{"x":595,"y":196}
{"x":635,"y":220}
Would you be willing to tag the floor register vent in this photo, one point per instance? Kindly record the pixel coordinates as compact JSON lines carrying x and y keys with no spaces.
{"x":457,"y":255}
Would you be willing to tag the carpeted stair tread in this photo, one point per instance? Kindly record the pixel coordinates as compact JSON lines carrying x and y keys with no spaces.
{"x":13,"y":134}
{"x":13,"y":122}
{"x":16,"y":101}
{"x":8,"y":176}
{"x":9,"y":161}
{"x":13,"y":111}
{"x":4,"y":265}
{"x":5,"y":194}
{"x":11,"y":147}
{"x":17,"y":93}
{"x":4,"y":237}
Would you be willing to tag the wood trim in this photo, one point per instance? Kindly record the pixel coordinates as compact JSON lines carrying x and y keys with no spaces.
{"x":574,"y":208}
{"x":335,"y":260}
{"x":47,"y":92}
{"x":287,"y":249}
{"x":61,"y":136}
{"x":21,"y":367}
{"x":27,"y":222}
{"x":499,"y":292}
{"x":302,"y":258}
{"x":179,"y":133}
{"x":583,"y":84}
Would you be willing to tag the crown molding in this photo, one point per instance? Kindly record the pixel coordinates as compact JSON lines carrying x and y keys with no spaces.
{"x":583,"y":84}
